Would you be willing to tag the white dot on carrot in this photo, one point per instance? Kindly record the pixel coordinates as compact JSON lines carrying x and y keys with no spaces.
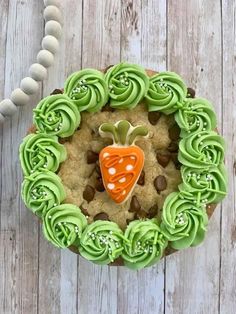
{"x":129,"y":167}
{"x":132,"y":157}
{"x":122,"y":180}
{"x":123,"y":193}
{"x":112,"y":170}
{"x":121,"y":160}
{"x":105,"y":155}
{"x":111,"y":186}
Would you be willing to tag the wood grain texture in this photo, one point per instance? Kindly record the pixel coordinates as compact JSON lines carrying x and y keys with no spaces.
{"x":195,"y":38}
{"x":193,"y":272}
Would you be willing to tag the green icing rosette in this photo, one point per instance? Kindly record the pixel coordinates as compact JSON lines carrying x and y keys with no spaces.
{"x":201,"y":150}
{"x":88,"y":89}
{"x":63,"y":225}
{"x":101,"y":242}
{"x":204,"y":185}
{"x":57,"y":115}
{"x":128,"y":84}
{"x":145,"y":244}
{"x":42,"y":191}
{"x":39,"y":152}
{"x":183,"y":222}
{"x":166,"y":92}
{"x":196,"y":115}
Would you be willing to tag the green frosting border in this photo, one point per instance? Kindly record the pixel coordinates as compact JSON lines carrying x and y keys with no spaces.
{"x":165,"y":92}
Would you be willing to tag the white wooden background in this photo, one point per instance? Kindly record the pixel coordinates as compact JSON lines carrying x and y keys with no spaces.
{"x":195,"y":38}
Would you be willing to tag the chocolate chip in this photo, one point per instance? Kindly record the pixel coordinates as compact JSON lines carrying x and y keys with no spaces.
{"x":101,"y":216}
{"x":173,"y":147}
{"x":108,"y":67}
{"x":99,"y":185}
{"x":141,"y":180}
{"x":65,"y":139}
{"x":153,"y":117}
{"x":163,"y":159}
{"x":97,"y":169}
{"x":174,"y":158}
{"x":92,"y":157}
{"x":160,"y":183}
{"x":191,"y":92}
{"x":141,"y":214}
{"x":107,"y":108}
{"x":57,"y":91}
{"x":84,"y":210}
{"x":152,"y":212}
{"x":134,"y":205}
{"x":89,"y":193}
{"x":174,"y":132}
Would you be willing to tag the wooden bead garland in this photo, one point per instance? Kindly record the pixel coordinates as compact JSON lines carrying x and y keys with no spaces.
{"x":29,"y":85}
{"x":51,"y":2}
{"x":7,"y":108}
{"x":19,"y":98}
{"x":45,"y":58}
{"x":53,"y":28}
{"x":52,"y":12}
{"x":37,"y":72}
{"x":50,"y":43}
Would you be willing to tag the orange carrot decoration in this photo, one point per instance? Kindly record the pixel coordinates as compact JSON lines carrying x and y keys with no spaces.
{"x":121,"y":163}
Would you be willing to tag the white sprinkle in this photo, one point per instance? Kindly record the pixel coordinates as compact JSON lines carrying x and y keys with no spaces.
{"x":112,"y":171}
{"x":54,"y":204}
{"x":123,"y":193}
{"x":122,"y":180}
{"x":111,"y":232}
{"x":105,"y":155}
{"x":49,"y":217}
{"x":121,"y":160}
{"x":111,"y":186}
{"x":129,"y":167}
{"x":132,"y":157}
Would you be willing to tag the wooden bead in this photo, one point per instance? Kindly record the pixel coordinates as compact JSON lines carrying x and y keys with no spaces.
{"x":53,"y":28}
{"x":51,"y":2}
{"x":45,"y":58}
{"x":19,"y":98}
{"x":51,"y":12}
{"x":29,"y":85}
{"x":7,"y":108}
{"x":38,"y":72}
{"x":2,"y":119}
{"x":50,"y":43}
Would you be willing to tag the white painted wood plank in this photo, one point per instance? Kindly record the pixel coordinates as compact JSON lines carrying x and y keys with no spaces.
{"x":194,"y":51}
{"x":101,"y":47}
{"x":58,"y":268}
{"x":228,"y":234}
{"x":3,"y":40}
{"x":143,"y":41}
{"x":23,"y":33}
{"x":131,"y":11}
{"x":8,"y":261}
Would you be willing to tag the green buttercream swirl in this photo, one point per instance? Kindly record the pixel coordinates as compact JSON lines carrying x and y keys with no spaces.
{"x":87,"y":89}
{"x":145,"y":244}
{"x":183,"y":222}
{"x":196,"y":115}
{"x":166,"y":92}
{"x":41,"y":191}
{"x":63,"y":225}
{"x":128,"y":84}
{"x":201,"y":150}
{"x":39,"y":152}
{"x":101,"y":242}
{"x":204,"y":185}
{"x":57,"y":115}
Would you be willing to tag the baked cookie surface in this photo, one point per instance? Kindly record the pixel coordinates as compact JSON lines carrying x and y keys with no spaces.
{"x":123,"y":165}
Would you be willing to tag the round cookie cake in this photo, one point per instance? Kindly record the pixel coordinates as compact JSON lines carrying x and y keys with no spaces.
{"x":123,"y":165}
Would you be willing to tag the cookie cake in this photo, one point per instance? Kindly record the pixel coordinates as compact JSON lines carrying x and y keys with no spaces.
{"x":123,"y":165}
